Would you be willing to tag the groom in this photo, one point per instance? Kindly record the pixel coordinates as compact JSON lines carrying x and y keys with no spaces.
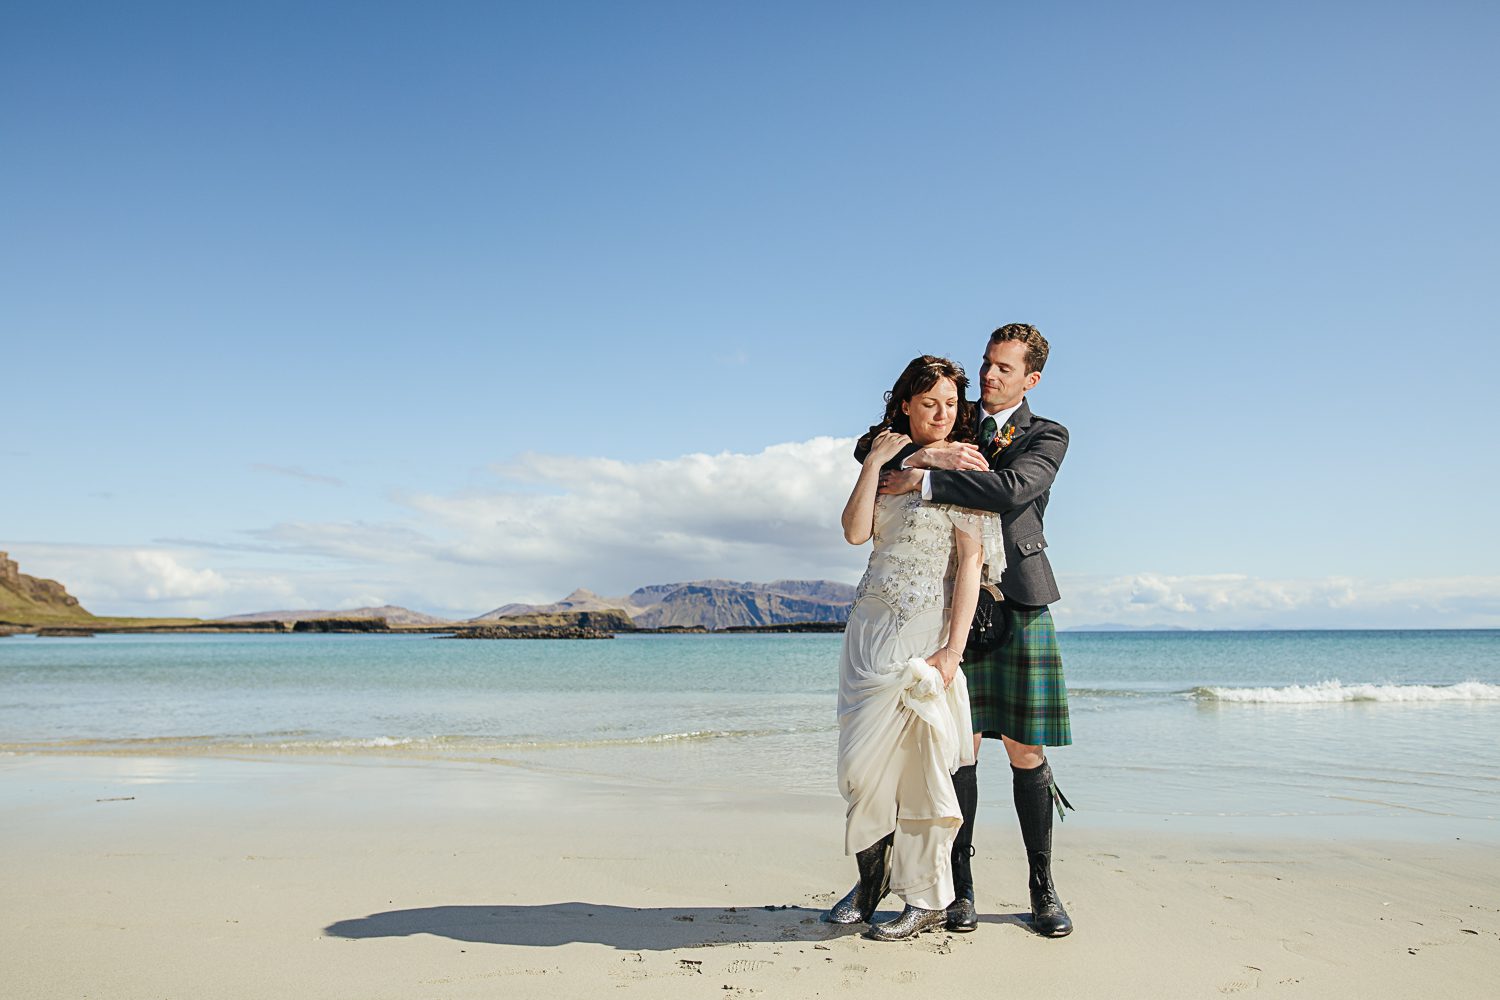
{"x":1016,"y":690}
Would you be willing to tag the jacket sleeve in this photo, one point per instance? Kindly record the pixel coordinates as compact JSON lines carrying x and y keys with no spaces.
{"x":1027,"y":477}
{"x":862,"y":448}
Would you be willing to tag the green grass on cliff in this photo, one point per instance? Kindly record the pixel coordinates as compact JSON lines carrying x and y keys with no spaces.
{"x":18,"y":610}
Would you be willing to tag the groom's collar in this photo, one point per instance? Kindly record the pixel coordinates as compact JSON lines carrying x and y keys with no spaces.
{"x":1020,"y":415}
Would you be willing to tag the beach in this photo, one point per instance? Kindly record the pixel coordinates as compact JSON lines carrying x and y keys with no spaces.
{"x":142,"y":877}
{"x":387,"y":816}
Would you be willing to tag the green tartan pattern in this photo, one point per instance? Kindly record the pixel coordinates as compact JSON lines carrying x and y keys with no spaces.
{"x":1017,"y":688}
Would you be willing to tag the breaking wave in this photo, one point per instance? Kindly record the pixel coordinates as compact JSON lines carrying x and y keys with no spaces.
{"x":278,"y":743}
{"x":1338,"y":693}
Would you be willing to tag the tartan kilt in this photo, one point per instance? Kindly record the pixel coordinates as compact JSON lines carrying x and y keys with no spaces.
{"x":1017,"y":688}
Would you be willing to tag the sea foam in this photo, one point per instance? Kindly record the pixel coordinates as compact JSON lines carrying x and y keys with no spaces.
{"x":1336,"y":692}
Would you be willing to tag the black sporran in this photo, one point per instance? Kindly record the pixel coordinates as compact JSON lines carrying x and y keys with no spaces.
{"x":987,"y":630}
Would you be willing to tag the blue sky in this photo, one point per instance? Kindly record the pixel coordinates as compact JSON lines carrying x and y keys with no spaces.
{"x":452,"y":305}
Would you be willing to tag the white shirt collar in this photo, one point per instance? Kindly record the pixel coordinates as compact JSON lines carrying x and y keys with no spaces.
{"x":1001,"y":417}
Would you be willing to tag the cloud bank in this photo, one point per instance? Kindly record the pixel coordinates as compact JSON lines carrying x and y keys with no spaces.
{"x":553,"y":523}
{"x":1232,"y":600}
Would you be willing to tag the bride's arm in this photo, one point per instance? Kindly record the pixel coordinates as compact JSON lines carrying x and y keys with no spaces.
{"x":859,"y":512}
{"x":965,"y":599}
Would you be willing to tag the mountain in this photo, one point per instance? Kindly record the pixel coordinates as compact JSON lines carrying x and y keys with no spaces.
{"x":710,"y":604}
{"x":720,"y":607}
{"x":578,"y":600}
{"x":25,"y":599}
{"x":392,"y":614}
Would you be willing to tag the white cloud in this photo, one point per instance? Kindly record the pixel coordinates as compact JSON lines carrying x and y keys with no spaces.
{"x":1239,"y":601}
{"x":149,"y":581}
{"x":610,"y":525}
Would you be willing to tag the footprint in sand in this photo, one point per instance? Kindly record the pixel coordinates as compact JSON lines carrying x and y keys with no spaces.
{"x":747,"y":965}
{"x":1248,"y":981}
{"x":854,"y":975}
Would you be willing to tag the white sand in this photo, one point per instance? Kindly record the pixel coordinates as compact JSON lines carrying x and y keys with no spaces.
{"x":302,"y":879}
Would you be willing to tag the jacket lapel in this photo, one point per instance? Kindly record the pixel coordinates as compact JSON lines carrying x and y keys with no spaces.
{"x":1022,"y":419}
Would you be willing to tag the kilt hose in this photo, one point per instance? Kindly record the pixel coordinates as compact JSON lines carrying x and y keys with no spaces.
{"x":1017,"y":688}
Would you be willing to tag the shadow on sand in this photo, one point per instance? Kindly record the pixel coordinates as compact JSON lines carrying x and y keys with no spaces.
{"x":623,"y":927}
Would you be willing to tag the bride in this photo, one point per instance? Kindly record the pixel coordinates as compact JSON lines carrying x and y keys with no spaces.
{"x":904,"y":723}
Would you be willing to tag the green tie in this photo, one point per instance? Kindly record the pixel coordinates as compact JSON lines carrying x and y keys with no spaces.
{"x":987,"y":430}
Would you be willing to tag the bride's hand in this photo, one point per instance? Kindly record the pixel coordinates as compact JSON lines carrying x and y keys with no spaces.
{"x":945,"y":661}
{"x":886,"y":446}
{"x":959,"y":455}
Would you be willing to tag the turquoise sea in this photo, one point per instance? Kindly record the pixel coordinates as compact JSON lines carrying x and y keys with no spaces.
{"x":1388,"y":733}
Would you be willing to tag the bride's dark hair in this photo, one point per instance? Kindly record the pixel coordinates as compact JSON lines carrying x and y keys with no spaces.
{"x":920,"y":375}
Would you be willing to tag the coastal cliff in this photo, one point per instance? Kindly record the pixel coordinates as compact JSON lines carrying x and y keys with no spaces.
{"x":25,"y":599}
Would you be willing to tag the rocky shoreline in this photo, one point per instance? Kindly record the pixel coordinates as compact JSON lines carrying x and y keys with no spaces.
{"x":529,"y":632}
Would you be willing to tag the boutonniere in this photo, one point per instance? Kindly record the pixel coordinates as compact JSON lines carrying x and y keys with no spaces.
{"x":1001,"y":441}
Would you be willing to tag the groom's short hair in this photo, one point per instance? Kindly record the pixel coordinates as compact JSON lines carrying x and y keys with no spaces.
{"x":1036,"y":344}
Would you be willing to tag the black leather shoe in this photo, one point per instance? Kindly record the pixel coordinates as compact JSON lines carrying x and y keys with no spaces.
{"x":1048,"y":918}
{"x":962,"y":916}
{"x":913,"y":921}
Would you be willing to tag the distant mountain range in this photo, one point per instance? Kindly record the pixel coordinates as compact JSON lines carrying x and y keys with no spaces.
{"x":712,"y":604}
{"x":392,"y":614}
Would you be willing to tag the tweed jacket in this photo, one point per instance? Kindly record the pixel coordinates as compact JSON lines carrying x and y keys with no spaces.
{"x":1017,"y":487}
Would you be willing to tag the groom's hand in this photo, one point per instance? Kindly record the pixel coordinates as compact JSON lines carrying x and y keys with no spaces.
{"x":900,"y":482}
{"x":958,"y":455}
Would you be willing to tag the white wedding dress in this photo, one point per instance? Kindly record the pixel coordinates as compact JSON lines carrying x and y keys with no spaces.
{"x":901,"y":735}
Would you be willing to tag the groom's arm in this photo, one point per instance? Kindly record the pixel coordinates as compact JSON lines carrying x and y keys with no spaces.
{"x":1027,"y":477}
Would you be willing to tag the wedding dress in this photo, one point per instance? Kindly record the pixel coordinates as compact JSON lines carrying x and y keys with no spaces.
{"x":901,"y":735}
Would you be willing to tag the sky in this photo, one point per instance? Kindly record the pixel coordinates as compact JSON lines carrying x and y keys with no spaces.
{"x":453,"y":305}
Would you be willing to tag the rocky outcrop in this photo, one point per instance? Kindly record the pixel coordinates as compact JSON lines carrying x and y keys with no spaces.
{"x":789,"y":627}
{"x":341,"y":625}
{"x":561,"y":625}
{"x":530,"y":632}
{"x":26,"y":598}
{"x":607,"y":620}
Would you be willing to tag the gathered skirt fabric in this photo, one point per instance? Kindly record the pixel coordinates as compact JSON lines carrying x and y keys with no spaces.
{"x":901,"y":736}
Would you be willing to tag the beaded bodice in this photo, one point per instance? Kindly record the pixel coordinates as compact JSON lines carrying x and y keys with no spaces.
{"x":911,"y":568}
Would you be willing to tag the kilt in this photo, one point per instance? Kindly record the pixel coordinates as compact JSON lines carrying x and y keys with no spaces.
{"x":1017,"y":688}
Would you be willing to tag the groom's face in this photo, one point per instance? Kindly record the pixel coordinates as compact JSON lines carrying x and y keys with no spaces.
{"x":1003,"y":378}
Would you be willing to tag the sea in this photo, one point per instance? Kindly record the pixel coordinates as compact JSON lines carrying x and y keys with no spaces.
{"x":1391,"y":734}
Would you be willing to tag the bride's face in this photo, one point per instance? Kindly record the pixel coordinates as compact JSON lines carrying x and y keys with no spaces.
{"x":932,"y":412}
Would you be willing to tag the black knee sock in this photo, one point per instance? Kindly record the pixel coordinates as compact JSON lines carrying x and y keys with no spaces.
{"x":966,"y":788}
{"x":1032,"y":788}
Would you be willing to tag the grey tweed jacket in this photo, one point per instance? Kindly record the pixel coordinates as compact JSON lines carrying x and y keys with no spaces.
{"x":1017,"y":487}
